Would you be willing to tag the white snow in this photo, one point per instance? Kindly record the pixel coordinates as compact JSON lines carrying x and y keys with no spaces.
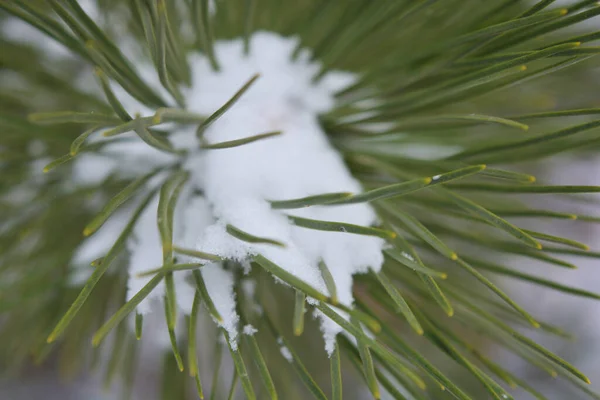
{"x":249,"y":288}
{"x":249,"y":330}
{"x":219,"y":284}
{"x":285,"y":352}
{"x":145,"y":253}
{"x":238,"y":182}
{"x":96,"y":246}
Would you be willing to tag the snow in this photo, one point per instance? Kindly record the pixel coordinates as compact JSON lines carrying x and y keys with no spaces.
{"x":299,"y":163}
{"x":237,"y":183}
{"x":219,"y":283}
{"x":285,"y":352}
{"x":249,"y":330}
{"x":249,"y":288}
{"x":96,"y":246}
{"x":145,"y":250}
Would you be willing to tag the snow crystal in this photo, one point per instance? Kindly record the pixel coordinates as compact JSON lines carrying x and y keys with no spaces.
{"x":286,"y":353}
{"x":249,"y":330}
